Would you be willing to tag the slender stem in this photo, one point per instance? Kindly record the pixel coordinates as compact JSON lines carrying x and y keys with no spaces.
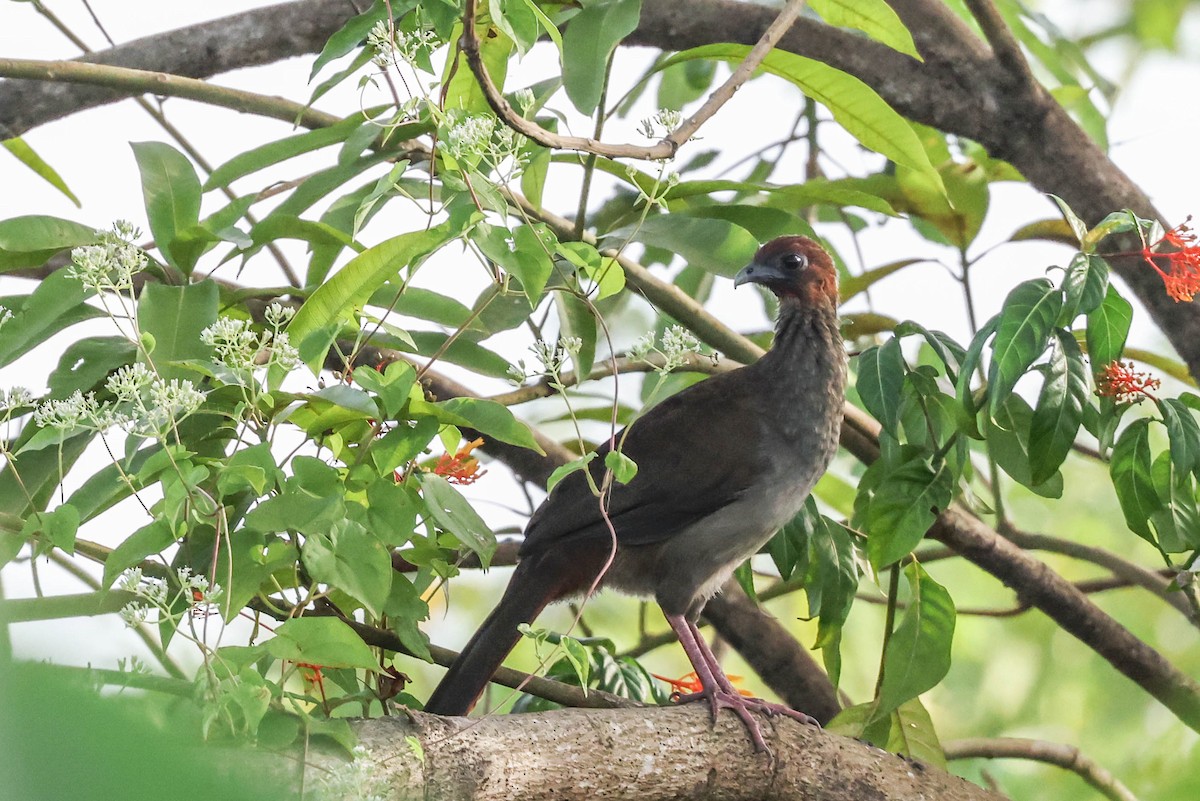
{"x":889,"y":623}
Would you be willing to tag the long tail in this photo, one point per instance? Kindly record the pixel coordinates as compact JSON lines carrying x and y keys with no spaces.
{"x":534,"y":584}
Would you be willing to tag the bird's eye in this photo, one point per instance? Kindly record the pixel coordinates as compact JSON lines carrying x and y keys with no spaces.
{"x":794,"y":261}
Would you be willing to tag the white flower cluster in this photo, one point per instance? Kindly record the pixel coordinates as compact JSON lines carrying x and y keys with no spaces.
{"x":112,"y":264}
{"x":14,"y":399}
{"x":144,"y":404}
{"x":152,"y":594}
{"x":237,"y":346}
{"x":677,"y":344}
{"x":661,"y":123}
{"x":552,"y":358}
{"x":358,"y":780}
{"x":478,"y":140}
{"x":407,"y":45}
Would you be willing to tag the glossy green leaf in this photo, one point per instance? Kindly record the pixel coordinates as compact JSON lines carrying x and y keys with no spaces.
{"x":353,"y":32}
{"x":352,"y":559}
{"x":1025,"y":322}
{"x":875,"y":18}
{"x":1183,"y":432}
{"x":1107,"y":328}
{"x":1059,"y":410}
{"x":1177,"y":524}
{"x":1085,"y":285}
{"x":326,"y":642}
{"x":172,"y":195}
{"x":918,"y":652}
{"x":951,"y":354}
{"x":880,"y":379}
{"x":854,"y":105}
{"x":451,"y":512}
{"x":1008,"y":440}
{"x":352,"y":285}
{"x":591,"y":37}
{"x":903,"y":507}
{"x":1131,"y":470}
{"x":912,"y":734}
{"x":27,"y":156}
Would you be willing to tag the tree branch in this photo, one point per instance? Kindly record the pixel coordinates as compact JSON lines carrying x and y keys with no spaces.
{"x":652,"y":755}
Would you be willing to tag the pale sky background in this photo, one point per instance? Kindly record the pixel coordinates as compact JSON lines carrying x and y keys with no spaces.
{"x":1153,"y":130}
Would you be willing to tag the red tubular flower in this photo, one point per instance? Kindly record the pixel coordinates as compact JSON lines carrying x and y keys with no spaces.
{"x":461,"y":468}
{"x":1124,"y":384}
{"x":690,"y":683}
{"x":1182,"y":274}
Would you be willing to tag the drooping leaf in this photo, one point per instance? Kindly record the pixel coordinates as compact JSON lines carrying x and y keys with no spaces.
{"x":451,"y":512}
{"x":1131,"y":470}
{"x":591,"y":37}
{"x":1107,"y":328}
{"x":903,"y":507}
{"x":1025,"y":322}
{"x":918,"y":652}
{"x":1008,"y":438}
{"x":27,"y":156}
{"x":1059,"y":410}
{"x":880,"y":379}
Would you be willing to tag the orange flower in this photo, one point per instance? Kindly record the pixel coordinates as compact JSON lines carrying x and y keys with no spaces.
{"x":312,"y":677}
{"x":461,"y":468}
{"x":1182,"y":275}
{"x":691,"y":684}
{"x":1124,"y":384}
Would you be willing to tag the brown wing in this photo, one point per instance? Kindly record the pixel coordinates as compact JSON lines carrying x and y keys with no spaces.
{"x":695,"y":453}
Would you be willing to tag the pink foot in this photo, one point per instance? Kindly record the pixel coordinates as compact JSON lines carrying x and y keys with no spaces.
{"x":744,"y":708}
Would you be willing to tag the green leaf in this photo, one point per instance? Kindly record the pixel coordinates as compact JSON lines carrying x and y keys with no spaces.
{"x":58,"y":527}
{"x":172,"y":194}
{"x":854,"y":105}
{"x":1177,"y":524}
{"x":402,"y":444}
{"x":404,"y":608}
{"x":352,"y":559}
{"x":55,"y":304}
{"x":87,"y":362}
{"x":517,"y":19}
{"x":40,"y":236}
{"x":623,"y":468}
{"x":875,"y":18}
{"x":1059,"y":409}
{"x":175,"y":316}
{"x":326,"y":642}
{"x":272,"y":153}
{"x":575,"y":319}
{"x":903,"y":507}
{"x":26,"y":155}
{"x":1085,"y":285}
{"x":1008,"y":440}
{"x":1131,"y":471}
{"x":452,"y":513}
{"x":912,"y":735}
{"x":564,"y":470}
{"x":485,"y":416}
{"x":588,"y":44}
{"x":1078,"y":227}
{"x":880,"y":379}
{"x":712,"y":244}
{"x":918,"y":652}
{"x":1183,"y":432}
{"x":830,"y":584}
{"x":1107,"y":328}
{"x":966,"y":374}
{"x":152,"y":538}
{"x":349,"y":36}
{"x":1025,"y":322}
{"x":857,"y":284}
{"x":352,"y":285}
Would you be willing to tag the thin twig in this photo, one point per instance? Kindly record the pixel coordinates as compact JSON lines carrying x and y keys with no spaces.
{"x":1064,"y":756}
{"x":667,"y":147}
{"x":1004,"y":45}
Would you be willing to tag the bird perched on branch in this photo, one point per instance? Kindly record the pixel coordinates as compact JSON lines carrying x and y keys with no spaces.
{"x":722,"y":465}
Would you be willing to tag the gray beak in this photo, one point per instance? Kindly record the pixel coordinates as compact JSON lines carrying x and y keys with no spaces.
{"x":749,"y":274}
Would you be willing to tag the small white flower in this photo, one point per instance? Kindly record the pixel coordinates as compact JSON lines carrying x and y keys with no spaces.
{"x":127,"y":382}
{"x":14,"y":399}
{"x":131,"y":579}
{"x":111,"y":264}
{"x":279,"y":315}
{"x":134,"y":614}
{"x":282,"y":352}
{"x":75,"y":411}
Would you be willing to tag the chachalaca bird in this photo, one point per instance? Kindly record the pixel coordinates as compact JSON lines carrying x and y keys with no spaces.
{"x":722,"y":465}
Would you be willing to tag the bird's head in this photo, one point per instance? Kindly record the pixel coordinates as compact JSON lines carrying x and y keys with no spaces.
{"x":793,"y":267}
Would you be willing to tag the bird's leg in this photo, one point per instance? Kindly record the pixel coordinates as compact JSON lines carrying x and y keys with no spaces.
{"x":719,"y":692}
{"x":723,"y":681}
